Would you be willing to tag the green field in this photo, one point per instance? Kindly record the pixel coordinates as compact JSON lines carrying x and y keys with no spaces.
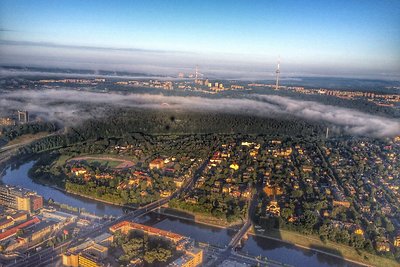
{"x":100,"y":160}
{"x":61,"y":160}
{"x":103,"y":162}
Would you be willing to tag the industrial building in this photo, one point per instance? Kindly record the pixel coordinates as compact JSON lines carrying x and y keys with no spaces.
{"x":23,"y":116}
{"x":88,"y":254}
{"x":20,"y":199}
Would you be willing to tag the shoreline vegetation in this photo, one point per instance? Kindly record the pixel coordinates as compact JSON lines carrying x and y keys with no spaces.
{"x":289,"y":237}
{"x":286,"y":236}
{"x":329,"y":248}
{"x":92,"y":198}
{"x":302,"y":241}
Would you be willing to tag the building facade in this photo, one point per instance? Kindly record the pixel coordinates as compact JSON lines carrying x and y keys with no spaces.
{"x":20,"y":199}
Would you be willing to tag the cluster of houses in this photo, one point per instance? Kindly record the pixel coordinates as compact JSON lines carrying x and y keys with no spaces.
{"x":233,"y":184}
{"x":88,"y":173}
{"x":352,"y":187}
{"x":134,"y":177}
{"x":373,"y":171}
{"x":300,"y":167}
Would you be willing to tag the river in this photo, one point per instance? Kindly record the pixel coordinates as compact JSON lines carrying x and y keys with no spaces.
{"x":272,"y":249}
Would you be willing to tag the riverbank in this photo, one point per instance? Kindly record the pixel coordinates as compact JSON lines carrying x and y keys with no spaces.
{"x":287,"y":237}
{"x":307,"y":247}
{"x":207,"y":219}
{"x":176,"y":214}
{"x":91,"y":198}
{"x":164,"y":211}
{"x":329,"y":248}
{"x":19,"y":178}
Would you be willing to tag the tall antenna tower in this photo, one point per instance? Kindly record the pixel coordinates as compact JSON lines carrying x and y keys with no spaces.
{"x":196,"y":74}
{"x":278,"y":71}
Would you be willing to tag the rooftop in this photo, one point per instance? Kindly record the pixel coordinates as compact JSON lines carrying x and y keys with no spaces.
{"x":145,"y":228}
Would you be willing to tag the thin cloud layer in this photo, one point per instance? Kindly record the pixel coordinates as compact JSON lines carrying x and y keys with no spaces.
{"x":70,"y":106}
{"x":170,"y":62}
{"x":353,"y":121}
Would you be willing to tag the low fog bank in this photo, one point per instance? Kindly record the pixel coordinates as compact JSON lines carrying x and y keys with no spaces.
{"x":12,"y":73}
{"x":71,"y":107}
{"x":248,"y":66}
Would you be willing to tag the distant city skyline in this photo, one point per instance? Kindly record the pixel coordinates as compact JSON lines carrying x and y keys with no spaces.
{"x":229,"y":39}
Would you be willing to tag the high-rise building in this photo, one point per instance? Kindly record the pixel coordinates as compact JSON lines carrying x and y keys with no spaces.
{"x":23,"y":116}
{"x":91,"y":253}
{"x":196,"y":74}
{"x":20,"y":198}
{"x":197,"y":77}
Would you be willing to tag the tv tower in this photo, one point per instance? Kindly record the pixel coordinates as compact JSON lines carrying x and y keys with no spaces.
{"x":277,"y":75}
{"x":196,"y":74}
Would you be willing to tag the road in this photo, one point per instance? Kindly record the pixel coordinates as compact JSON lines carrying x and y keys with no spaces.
{"x":7,"y":151}
{"x":37,"y":259}
{"x":240,"y":257}
{"x":229,"y":251}
{"x":49,"y":255}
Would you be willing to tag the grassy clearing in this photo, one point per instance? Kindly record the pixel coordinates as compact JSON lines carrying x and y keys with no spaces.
{"x":61,"y":160}
{"x":106,"y":155}
{"x":105,"y":160}
{"x":329,"y":247}
{"x":104,"y":163}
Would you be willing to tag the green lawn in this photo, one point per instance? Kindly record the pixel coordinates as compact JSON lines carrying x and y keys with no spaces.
{"x":61,"y":160}
{"x":119,"y":157}
{"x":105,"y":160}
{"x":105,"y":163}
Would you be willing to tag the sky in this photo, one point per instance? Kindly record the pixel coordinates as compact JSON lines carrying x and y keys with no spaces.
{"x":234,"y":38}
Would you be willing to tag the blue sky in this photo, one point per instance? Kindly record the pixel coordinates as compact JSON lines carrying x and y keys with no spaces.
{"x":321,"y":37}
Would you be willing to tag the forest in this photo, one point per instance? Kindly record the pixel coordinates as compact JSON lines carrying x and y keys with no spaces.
{"x":11,"y":132}
{"x":124,"y":122}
